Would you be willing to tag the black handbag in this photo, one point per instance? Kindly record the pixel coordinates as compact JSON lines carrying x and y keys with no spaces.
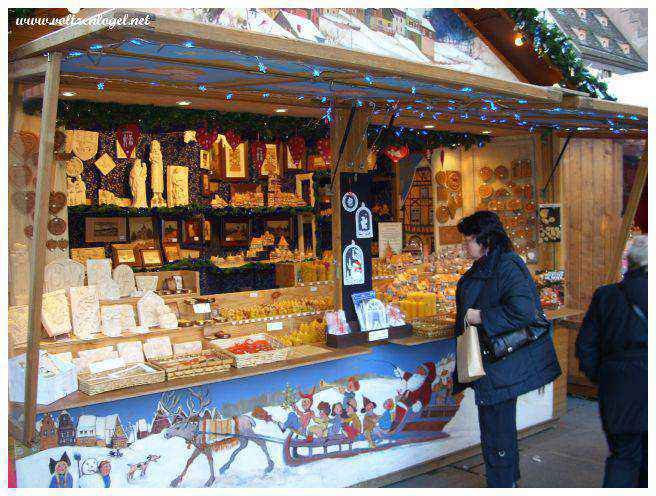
{"x":499,"y":346}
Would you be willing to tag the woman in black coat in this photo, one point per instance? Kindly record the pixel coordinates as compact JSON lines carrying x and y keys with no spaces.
{"x":612,"y":352}
{"x":498,"y":295}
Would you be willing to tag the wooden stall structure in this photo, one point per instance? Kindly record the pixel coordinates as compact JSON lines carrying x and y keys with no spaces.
{"x":352,"y":91}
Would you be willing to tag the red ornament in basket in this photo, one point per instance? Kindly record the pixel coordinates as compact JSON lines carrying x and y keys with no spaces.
{"x":396,"y":153}
{"x":206,"y":137}
{"x":323,"y":145}
{"x":233,"y":139}
{"x":250,"y":346}
{"x":128,"y":137}
{"x":296,"y":149}
{"x":258,"y":153}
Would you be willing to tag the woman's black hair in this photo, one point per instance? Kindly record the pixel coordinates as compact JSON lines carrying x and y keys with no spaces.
{"x":488,"y":230}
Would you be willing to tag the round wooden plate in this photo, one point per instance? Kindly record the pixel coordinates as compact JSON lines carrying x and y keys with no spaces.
{"x":23,"y":201}
{"x":485,"y":191}
{"x":485,"y":173}
{"x":62,"y":244}
{"x":502,"y":173}
{"x":74,"y":167}
{"x":440,"y":177}
{"x":453,"y":180}
{"x":442,"y":214}
{"x":20,"y":176}
{"x":57,"y":202}
{"x":529,"y":207}
{"x":57,"y":226}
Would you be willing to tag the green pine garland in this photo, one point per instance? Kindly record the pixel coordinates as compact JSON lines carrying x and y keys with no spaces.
{"x":107,"y":117}
{"x":184,"y":212}
{"x":199,"y":264}
{"x":552,"y":44}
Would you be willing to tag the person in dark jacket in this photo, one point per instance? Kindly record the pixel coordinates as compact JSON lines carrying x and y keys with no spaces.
{"x":612,"y":352}
{"x":498,"y":295}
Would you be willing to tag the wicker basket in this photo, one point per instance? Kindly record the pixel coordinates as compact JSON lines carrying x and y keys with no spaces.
{"x":205,"y":362}
{"x":111,"y":380}
{"x":433,"y":327}
{"x":278,"y":353}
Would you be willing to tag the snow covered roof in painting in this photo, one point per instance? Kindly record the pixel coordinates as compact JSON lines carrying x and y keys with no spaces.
{"x":426,"y":24}
{"x":86,"y":424}
{"x":142,"y":425}
{"x":303,"y":28}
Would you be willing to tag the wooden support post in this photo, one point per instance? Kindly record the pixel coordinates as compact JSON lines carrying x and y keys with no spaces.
{"x":45,"y":174}
{"x":627,"y":219}
{"x":354,"y":154}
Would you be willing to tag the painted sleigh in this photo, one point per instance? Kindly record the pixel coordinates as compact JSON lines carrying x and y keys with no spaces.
{"x":426,"y":425}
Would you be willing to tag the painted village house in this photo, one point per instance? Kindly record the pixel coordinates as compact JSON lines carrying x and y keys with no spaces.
{"x":142,"y":428}
{"x":48,"y":432}
{"x":160,"y":422}
{"x":418,"y":217}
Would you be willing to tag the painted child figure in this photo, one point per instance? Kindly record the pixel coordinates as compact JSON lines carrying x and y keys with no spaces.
{"x":370,"y":422}
{"x":352,"y":424}
{"x":61,"y":477}
{"x":387,"y":418}
{"x":298,"y":420}
{"x":335,"y":429}
{"x":322,"y":422}
{"x":348,"y":393}
{"x":104,"y":469}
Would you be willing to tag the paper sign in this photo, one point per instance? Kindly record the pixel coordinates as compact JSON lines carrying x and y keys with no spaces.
{"x":274,"y":326}
{"x":313,"y":289}
{"x":376,"y":335}
{"x":202,"y":308}
{"x":390,"y":234}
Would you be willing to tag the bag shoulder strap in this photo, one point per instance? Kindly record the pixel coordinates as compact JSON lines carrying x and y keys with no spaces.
{"x":636,"y":309}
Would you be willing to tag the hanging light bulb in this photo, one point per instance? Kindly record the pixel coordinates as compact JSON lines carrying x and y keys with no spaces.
{"x":519,"y":39}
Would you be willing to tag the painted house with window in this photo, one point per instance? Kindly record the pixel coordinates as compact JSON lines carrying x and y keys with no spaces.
{"x":601,"y":45}
{"x":48,"y":433}
{"x":66,"y":429}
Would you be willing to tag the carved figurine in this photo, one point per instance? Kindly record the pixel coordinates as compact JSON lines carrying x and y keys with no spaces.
{"x":138,"y":184}
{"x":77,"y":191}
{"x":177,"y":190}
{"x":156,"y":175}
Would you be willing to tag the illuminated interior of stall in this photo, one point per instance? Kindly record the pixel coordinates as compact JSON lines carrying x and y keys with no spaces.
{"x":211,"y":68}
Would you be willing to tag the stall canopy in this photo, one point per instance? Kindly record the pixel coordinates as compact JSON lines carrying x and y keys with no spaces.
{"x":172,"y":61}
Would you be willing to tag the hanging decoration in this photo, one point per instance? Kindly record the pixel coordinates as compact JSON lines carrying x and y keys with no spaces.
{"x":363,"y":223}
{"x":297,"y":148}
{"x":323,"y":145}
{"x":428,"y":153}
{"x":258,"y":153}
{"x":233,"y":139}
{"x":396,"y":153}
{"x":350,"y":201}
{"x":352,"y":265}
{"x":206,"y":137}
{"x":127,"y":137}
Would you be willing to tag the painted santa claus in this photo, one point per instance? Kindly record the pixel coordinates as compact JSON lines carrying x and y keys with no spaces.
{"x":416,"y":391}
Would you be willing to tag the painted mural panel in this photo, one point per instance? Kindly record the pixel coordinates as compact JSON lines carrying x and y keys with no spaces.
{"x":326,"y":425}
{"x":428,"y":36}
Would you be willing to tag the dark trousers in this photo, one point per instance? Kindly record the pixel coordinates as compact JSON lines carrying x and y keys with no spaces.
{"x":498,"y":424}
{"x":626,"y":466}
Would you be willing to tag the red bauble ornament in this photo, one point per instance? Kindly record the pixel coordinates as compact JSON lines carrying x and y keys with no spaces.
{"x":296,"y":149}
{"x":396,"y":153}
{"x":128,"y":137}
{"x":232,"y":138}
{"x":258,"y":153}
{"x":206,"y":137}
{"x":442,"y":156}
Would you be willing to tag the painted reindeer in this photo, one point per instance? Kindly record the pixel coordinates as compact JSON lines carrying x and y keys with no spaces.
{"x":141,"y":467}
{"x":187,"y":425}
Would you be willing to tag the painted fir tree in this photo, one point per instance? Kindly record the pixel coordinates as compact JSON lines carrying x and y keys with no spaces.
{"x":289,"y":396}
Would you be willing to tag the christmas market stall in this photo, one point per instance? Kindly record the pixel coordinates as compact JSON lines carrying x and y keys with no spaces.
{"x":232,"y":256}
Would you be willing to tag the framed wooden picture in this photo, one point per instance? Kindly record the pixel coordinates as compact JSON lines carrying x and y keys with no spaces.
{"x":205,"y":182}
{"x":192,"y":231}
{"x":104,"y":229}
{"x":305,"y":188}
{"x":170,"y":231}
{"x":289,"y":161}
{"x":83,"y":254}
{"x":150,"y":257}
{"x":234,"y":161}
{"x":272,"y":160}
{"x":186,"y":253}
{"x":142,"y":230}
{"x":171,"y":251}
{"x":124,"y":254}
{"x":206,"y":159}
{"x":235,"y":231}
{"x":207,"y":230}
{"x":279,"y":227}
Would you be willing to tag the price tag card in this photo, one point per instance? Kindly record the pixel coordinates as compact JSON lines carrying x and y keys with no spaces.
{"x":377,"y":335}
{"x":314,"y":289}
{"x":253,"y":294}
{"x":202,"y":308}
{"x":274,"y":326}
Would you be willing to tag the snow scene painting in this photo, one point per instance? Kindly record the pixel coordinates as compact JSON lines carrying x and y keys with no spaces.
{"x":428,"y":36}
{"x":330,"y":424}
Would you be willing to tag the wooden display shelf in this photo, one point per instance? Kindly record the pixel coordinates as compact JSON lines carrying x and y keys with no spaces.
{"x":132,"y":300}
{"x":79,"y":399}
